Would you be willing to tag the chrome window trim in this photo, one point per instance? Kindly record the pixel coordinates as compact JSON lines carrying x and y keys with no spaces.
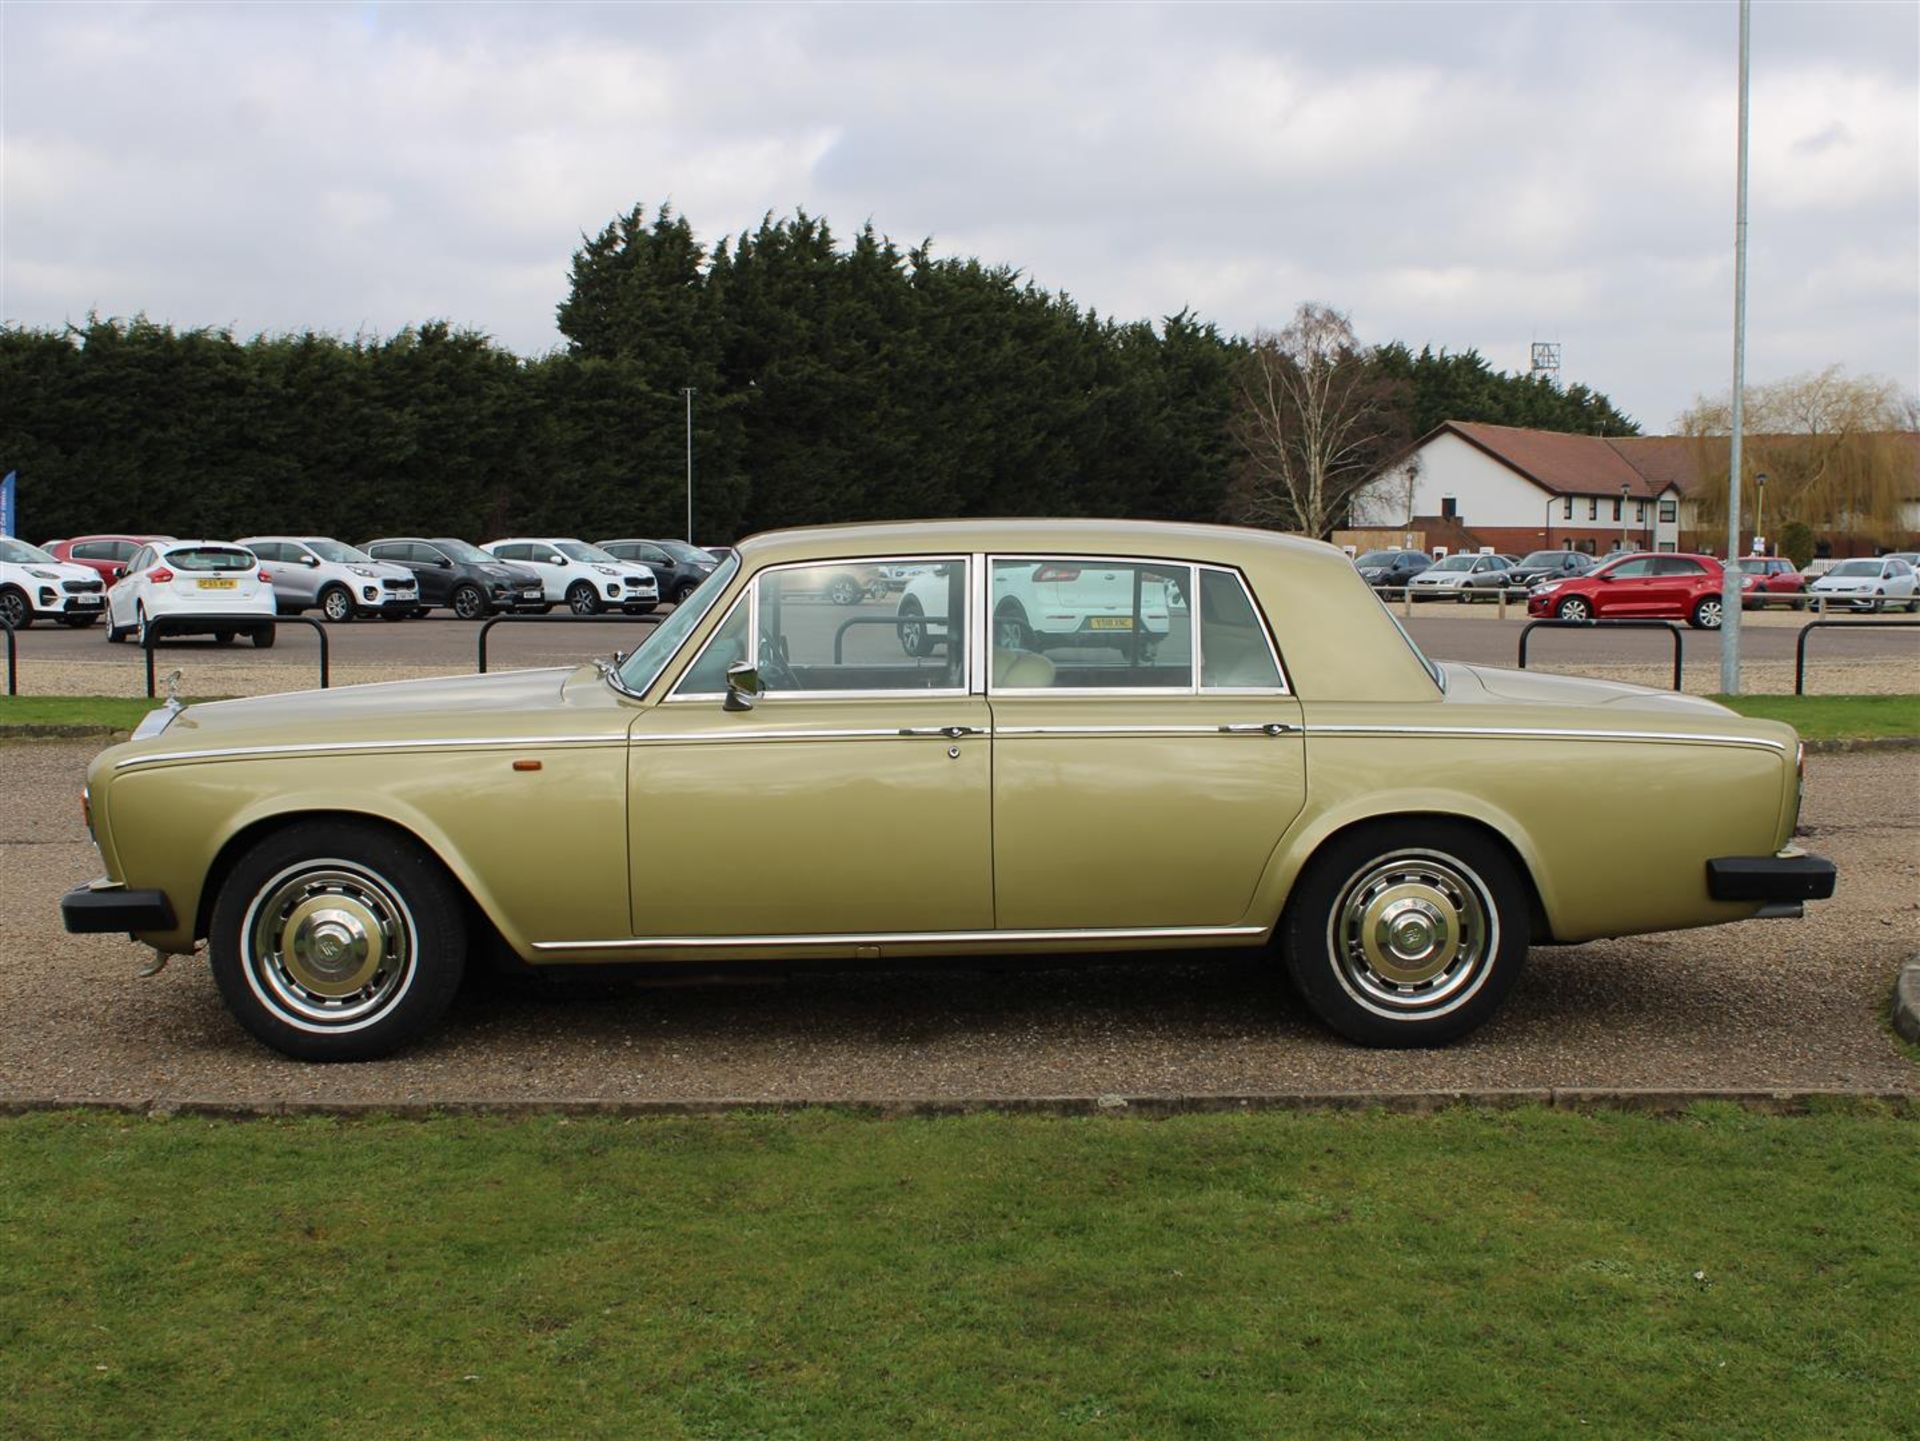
{"x":812,"y":733}
{"x":326,"y":748}
{"x":752,"y":596}
{"x":903,"y":938}
{"x":1212,"y":729}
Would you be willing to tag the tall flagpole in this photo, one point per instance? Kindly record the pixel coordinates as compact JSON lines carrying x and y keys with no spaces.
{"x":1730,"y":582}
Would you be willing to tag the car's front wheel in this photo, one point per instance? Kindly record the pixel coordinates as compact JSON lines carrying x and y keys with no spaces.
{"x":1573,"y":608}
{"x":912,"y":625}
{"x":1408,"y":933}
{"x":1707,"y":613}
{"x":583,"y":599}
{"x":338,"y":941}
{"x":468,"y":602}
{"x":845,"y":590}
{"x":336,"y":604}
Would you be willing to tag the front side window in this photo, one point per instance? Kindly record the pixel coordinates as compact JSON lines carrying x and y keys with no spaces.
{"x":1070,"y":623}
{"x":804,"y":638}
{"x":1630,"y":569}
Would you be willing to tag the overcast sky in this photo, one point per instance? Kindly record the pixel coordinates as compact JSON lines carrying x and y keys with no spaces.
{"x":1464,"y":175}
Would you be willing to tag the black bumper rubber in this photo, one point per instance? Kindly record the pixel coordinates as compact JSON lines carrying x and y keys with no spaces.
{"x":86,"y":911}
{"x":1770,"y":878}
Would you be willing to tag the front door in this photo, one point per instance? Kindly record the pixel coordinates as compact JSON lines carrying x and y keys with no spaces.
{"x":1143,"y":773}
{"x":852,"y":801}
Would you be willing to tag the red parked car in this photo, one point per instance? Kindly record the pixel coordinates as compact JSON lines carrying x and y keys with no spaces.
{"x":1771,"y":580}
{"x":107,"y":554}
{"x":1668,"y":586}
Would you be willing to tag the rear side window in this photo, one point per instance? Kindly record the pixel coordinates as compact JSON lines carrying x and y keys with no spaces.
{"x":94,"y":550}
{"x":211,"y":557}
{"x":1074,"y":623}
{"x":1234,"y":651}
{"x":1673,"y":565}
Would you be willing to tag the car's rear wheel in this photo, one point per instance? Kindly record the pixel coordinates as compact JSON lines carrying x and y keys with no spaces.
{"x":1707,"y":613}
{"x":336,"y":604}
{"x":338,"y":941}
{"x":140,"y":625}
{"x":845,"y":590}
{"x":1573,"y":608}
{"x":914,"y":637}
{"x":583,"y":599}
{"x":223,"y":637}
{"x":468,"y":602}
{"x":684,"y":589}
{"x":1409,"y":933}
{"x":263,"y":638}
{"x":114,"y":633}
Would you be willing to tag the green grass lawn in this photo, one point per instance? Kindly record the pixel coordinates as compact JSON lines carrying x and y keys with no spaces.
{"x":106,"y":712}
{"x":1834,"y":717}
{"x":1523,"y":1274}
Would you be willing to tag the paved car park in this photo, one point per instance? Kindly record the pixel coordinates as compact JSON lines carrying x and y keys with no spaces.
{"x":1759,"y":1005}
{"x":58,"y":661}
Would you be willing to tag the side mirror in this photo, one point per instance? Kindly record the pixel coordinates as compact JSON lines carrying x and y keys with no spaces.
{"x":556,"y":560}
{"x":119,"y":572}
{"x":312,"y":562}
{"x":743,"y":684}
{"x":442,"y":563}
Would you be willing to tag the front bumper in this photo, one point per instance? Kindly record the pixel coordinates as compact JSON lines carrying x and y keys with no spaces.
{"x":1783,"y":880}
{"x":108,"y":906}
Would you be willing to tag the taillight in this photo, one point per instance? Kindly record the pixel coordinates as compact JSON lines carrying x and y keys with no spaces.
{"x":160,"y":575}
{"x":1056,"y":573}
{"x":265,"y":575}
{"x":86,"y":807}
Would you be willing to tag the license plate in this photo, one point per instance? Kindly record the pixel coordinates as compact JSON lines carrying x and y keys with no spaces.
{"x":86,"y":600}
{"x":216,"y":584}
{"x":1110,"y":622}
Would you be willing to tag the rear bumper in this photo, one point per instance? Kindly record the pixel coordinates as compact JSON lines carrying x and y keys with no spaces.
{"x":1788,"y":878}
{"x":105,"y":906}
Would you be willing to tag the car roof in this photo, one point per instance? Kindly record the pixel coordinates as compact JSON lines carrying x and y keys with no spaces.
{"x":1226,"y":544}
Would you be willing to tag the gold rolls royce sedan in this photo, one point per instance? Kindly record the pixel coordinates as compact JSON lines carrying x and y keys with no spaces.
{"x":1059,"y":736}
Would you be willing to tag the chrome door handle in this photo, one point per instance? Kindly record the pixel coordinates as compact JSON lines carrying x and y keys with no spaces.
{"x":949,"y":732}
{"x":1266,"y":728}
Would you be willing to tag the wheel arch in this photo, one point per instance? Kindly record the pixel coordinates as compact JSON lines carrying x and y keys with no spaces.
{"x":1502,"y":832}
{"x":257,"y":828}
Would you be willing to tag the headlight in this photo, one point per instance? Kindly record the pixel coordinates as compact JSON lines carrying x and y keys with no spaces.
{"x":606,"y":570}
{"x":44,"y":574}
{"x":362,"y":570}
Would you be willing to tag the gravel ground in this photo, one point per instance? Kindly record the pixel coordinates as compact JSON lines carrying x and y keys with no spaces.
{"x":1766,"y":1004}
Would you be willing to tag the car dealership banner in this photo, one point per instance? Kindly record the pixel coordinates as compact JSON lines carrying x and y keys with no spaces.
{"x":9,"y":512}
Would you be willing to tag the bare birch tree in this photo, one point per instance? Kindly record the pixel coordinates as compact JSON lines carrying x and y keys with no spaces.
{"x":1313,"y":419}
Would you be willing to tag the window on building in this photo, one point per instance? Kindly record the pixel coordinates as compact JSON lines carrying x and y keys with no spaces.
{"x":1593,"y":507}
{"x":1567,"y":513}
{"x":1616,"y":509}
{"x":1669,"y":511}
{"x":1639,"y":512}
{"x":1449,"y":508}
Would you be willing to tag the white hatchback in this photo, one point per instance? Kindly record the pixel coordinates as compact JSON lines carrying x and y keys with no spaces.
{"x":1048,"y":604}
{"x":1885,"y":583}
{"x":586,"y":578}
{"x":199,"y":587}
{"x":35,"y":585}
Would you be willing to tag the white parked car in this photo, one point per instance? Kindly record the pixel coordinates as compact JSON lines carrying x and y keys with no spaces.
{"x":1447,"y":578}
{"x":314,"y":572}
{"x":205,"y":587}
{"x":1885,"y":583}
{"x":584,"y":577}
{"x":1048,"y":604}
{"x":36,"y":586}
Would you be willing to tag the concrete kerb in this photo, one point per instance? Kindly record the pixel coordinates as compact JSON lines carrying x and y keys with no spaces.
{"x":1906,"y":1000}
{"x":1782,"y":1102}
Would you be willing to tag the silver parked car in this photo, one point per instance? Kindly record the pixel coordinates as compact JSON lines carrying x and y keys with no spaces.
{"x":311,"y":572}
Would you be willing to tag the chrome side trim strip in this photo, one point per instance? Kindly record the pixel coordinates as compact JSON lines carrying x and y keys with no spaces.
{"x":735,"y":737}
{"x":1543,"y":733}
{"x":903,"y":938}
{"x":1126,"y":730}
{"x":319,"y":748}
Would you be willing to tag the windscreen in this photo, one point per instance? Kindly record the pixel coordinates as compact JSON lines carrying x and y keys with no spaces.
{"x":211,"y":557}
{"x":580,"y":550}
{"x":338,"y":553}
{"x":680,"y":550}
{"x":1376,"y":557}
{"x":1544,"y":557}
{"x":1856,"y":567}
{"x":650,"y":657}
{"x":466,"y":554}
{"x":1457,"y":562}
{"x":18,"y":552}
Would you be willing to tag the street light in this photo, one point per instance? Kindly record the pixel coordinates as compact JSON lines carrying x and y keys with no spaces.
{"x":688,"y":392}
{"x":1624,"y":487}
{"x":1760,"y":512}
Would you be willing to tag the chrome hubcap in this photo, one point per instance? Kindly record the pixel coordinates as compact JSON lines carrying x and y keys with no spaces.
{"x":1413,"y":933}
{"x":328,"y":946}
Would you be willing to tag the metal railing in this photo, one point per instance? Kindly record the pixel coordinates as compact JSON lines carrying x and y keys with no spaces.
{"x":898,"y":622}
{"x":480,"y":647}
{"x":1800,"y":646}
{"x":1503,"y":595}
{"x":13,"y":662}
{"x":159,"y":625}
{"x":1672,"y":628}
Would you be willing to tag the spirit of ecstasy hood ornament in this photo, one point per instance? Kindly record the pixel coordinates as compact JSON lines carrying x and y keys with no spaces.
{"x":173,"y":690}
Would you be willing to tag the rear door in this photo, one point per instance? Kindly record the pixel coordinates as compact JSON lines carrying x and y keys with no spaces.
{"x":1141,"y":787}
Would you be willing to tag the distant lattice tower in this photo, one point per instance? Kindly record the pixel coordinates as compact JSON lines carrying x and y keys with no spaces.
{"x":1546,"y":360}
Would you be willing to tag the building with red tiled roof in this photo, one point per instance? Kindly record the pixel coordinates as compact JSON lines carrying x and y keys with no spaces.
{"x":1508,"y":488}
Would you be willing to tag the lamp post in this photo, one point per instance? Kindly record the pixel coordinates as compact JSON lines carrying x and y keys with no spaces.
{"x":688,"y":392}
{"x":1623,"y":514}
{"x":1760,"y":512}
{"x":1546,"y":535}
